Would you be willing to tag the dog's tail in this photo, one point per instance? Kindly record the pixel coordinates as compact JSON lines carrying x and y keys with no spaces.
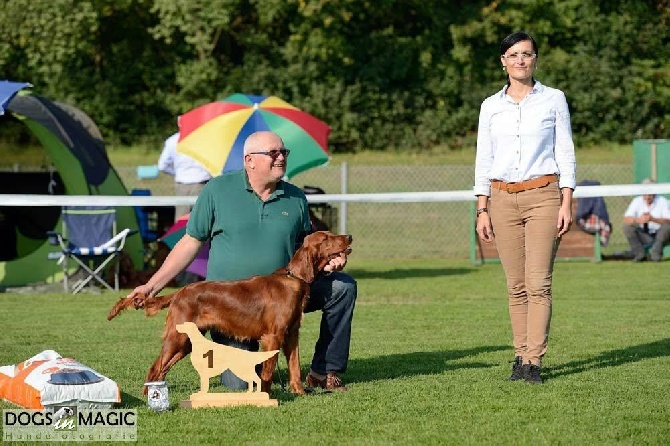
{"x":124,"y":303}
{"x":151,"y":305}
{"x":156,"y":304}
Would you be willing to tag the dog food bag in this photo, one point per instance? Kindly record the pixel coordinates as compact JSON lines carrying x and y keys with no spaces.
{"x":47,"y":379}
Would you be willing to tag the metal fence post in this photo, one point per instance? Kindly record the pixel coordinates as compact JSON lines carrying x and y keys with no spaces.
{"x":344,"y":179}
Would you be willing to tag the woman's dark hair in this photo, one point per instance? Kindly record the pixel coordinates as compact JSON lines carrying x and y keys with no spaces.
{"x":515,"y":38}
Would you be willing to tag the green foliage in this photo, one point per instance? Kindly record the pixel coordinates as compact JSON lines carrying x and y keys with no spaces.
{"x":41,"y":39}
{"x":394,"y":74}
{"x":609,"y":57}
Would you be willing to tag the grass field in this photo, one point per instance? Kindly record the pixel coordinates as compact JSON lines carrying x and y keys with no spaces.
{"x":429,"y":357}
{"x":607,"y":153}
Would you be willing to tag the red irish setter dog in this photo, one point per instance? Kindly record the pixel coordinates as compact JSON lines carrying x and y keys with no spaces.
{"x":267,"y":308}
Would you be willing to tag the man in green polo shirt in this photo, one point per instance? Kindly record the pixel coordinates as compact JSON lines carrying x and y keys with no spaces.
{"x":254,"y":222}
{"x":248,"y":234}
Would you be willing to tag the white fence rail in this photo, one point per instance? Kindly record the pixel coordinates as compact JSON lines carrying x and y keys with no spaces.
{"x":414,"y":224}
{"x":388,"y":197}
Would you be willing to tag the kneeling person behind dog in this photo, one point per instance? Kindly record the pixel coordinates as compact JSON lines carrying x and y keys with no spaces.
{"x":255,"y":221}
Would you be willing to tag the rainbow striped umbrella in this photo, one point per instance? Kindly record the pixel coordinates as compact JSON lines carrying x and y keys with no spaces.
{"x":214,"y":133}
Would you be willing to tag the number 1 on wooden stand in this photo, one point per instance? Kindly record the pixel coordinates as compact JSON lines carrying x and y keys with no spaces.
{"x":211,"y":359}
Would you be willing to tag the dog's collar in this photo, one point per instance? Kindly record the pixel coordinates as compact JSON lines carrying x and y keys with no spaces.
{"x":290,"y":274}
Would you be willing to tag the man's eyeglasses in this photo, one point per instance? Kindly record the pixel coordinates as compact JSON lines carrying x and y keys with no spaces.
{"x":520,"y":56}
{"x":274,"y":154}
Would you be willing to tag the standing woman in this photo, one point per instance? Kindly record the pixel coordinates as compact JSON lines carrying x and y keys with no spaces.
{"x":524,"y":179}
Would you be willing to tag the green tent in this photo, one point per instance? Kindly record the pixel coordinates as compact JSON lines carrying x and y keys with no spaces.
{"x":80,"y":166}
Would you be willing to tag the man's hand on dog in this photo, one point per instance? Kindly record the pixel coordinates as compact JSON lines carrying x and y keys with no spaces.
{"x":336,"y":264}
{"x":143,"y":290}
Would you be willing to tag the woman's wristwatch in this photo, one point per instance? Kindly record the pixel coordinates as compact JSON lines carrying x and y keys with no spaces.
{"x":482,"y":210}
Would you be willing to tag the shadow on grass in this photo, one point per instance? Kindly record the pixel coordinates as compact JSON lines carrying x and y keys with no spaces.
{"x":613,"y":358}
{"x":372,"y":369}
{"x":407,"y":273}
{"x":416,"y":363}
{"x":131,"y":402}
{"x":393,"y":366}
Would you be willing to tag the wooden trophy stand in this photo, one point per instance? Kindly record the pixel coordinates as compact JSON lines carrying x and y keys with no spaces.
{"x":211,"y":359}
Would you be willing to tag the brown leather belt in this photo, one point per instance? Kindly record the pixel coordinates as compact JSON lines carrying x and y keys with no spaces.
{"x":534,"y":183}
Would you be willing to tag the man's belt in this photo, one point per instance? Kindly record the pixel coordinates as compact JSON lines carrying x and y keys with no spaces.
{"x":521,"y":186}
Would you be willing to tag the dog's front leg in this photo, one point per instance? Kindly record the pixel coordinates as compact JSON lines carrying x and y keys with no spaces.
{"x":293,"y":360}
{"x":175,"y":347}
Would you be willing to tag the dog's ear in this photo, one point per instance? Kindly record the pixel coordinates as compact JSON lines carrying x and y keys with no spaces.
{"x":303,"y":263}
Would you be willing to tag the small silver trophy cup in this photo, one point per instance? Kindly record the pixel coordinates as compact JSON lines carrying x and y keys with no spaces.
{"x":157,"y":396}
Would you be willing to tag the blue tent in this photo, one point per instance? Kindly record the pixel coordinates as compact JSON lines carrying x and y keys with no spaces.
{"x":8,"y":90}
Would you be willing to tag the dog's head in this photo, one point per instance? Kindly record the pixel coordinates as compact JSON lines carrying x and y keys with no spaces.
{"x":317,"y":250}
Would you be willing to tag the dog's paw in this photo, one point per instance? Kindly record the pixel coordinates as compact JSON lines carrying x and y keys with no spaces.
{"x":297,"y":389}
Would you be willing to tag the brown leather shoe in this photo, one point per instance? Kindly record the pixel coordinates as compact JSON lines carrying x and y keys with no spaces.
{"x":330,"y":383}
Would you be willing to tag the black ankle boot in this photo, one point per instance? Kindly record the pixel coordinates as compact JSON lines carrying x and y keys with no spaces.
{"x":517,"y":370}
{"x":531,"y":373}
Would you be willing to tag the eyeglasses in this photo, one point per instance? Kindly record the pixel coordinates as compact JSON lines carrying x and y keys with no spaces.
{"x":519,"y":56}
{"x":274,"y":154}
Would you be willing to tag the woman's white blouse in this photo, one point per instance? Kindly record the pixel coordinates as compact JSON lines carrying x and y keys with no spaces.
{"x":517,"y":142}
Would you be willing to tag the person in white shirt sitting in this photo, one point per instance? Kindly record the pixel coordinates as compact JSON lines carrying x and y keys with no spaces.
{"x":647,"y":222}
{"x":189,"y":175}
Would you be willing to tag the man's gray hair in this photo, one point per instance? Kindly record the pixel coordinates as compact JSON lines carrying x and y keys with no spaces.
{"x":253,"y":143}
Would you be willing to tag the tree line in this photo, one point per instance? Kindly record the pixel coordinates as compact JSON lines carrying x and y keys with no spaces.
{"x":404,"y":74}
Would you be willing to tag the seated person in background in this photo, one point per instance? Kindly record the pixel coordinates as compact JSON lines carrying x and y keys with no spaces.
{"x":647,"y":222}
{"x":592,"y":216}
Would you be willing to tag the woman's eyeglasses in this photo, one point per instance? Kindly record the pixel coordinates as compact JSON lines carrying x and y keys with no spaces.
{"x":520,"y":56}
{"x":274,"y":154}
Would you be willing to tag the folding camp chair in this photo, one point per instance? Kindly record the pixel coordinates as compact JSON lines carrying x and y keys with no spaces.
{"x":89,"y":238}
{"x":149,"y":223}
{"x":146,"y":222}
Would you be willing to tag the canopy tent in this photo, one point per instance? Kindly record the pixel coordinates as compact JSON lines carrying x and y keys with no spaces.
{"x":79,"y":166}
